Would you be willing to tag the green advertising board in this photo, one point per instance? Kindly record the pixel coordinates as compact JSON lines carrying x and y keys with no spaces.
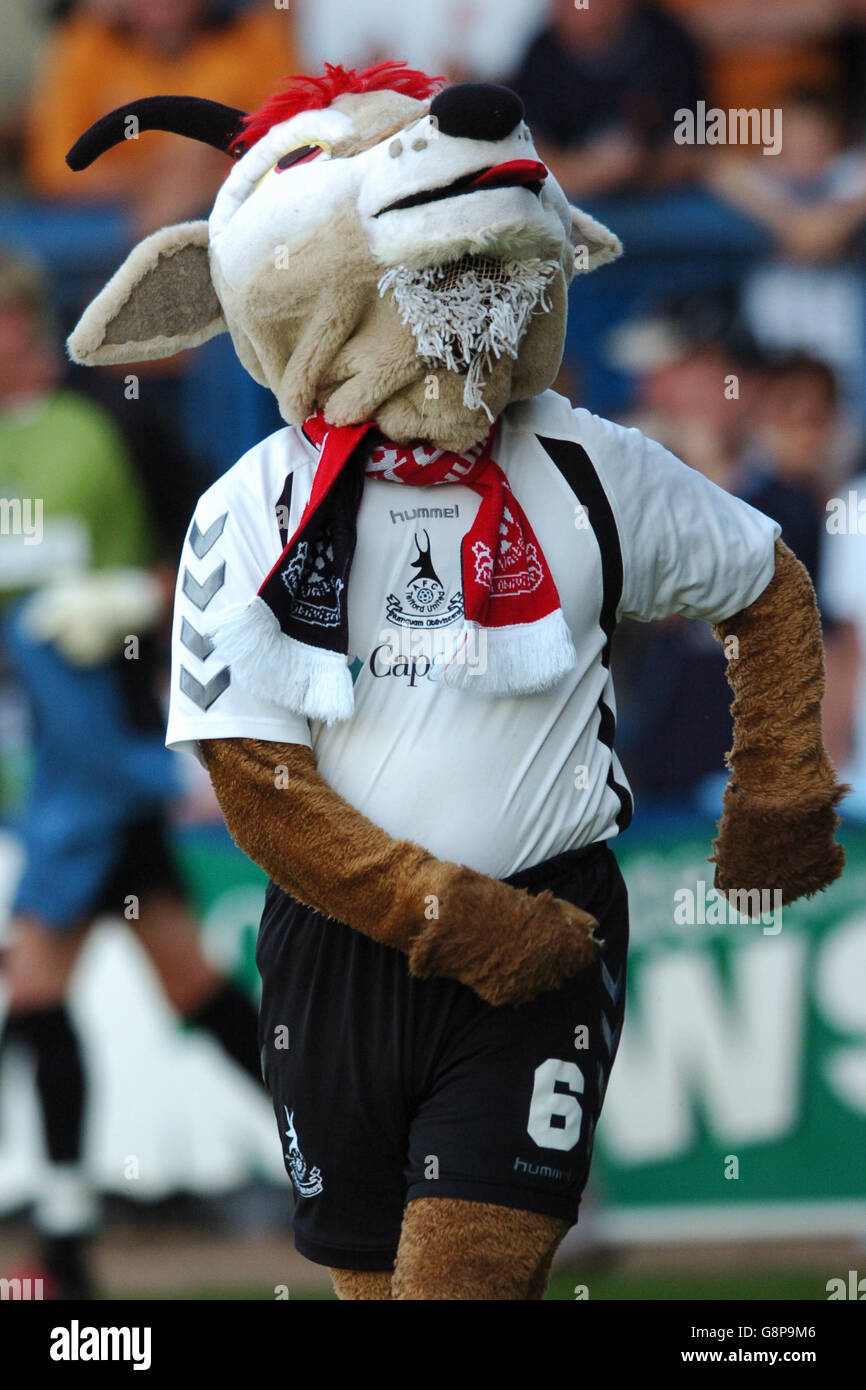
{"x":738,"y":1100}
{"x":737,"y":1105}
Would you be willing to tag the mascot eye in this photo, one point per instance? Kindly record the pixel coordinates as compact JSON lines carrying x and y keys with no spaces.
{"x":302,"y":155}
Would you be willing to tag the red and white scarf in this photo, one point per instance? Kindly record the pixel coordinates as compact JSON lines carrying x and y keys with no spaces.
{"x":290,"y":644}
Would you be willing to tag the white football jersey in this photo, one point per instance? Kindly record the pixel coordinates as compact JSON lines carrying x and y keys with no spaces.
{"x":498,"y":783}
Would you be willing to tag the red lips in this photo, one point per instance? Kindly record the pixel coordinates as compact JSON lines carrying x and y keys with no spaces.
{"x":514,"y":173}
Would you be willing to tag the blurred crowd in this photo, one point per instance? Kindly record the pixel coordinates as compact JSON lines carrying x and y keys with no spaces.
{"x":734,"y":331}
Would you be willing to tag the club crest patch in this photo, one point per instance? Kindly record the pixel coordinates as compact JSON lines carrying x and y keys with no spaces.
{"x":307,"y":1181}
{"x":424,"y":602}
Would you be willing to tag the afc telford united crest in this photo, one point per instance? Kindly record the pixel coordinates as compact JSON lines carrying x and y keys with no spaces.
{"x":424,"y":603}
{"x":307,"y":1182}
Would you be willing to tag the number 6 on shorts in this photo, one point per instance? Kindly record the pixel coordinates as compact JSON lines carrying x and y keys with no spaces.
{"x":548,"y":1104}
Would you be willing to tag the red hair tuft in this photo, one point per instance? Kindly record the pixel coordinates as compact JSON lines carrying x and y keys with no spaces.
{"x":315,"y":93}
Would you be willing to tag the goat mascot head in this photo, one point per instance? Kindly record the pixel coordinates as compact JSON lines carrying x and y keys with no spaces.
{"x":382,"y":249}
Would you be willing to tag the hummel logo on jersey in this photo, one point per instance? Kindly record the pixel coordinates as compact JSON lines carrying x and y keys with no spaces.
{"x":425,"y":513}
{"x":308,"y":1183}
{"x":543,"y":1170}
{"x":424,"y":601}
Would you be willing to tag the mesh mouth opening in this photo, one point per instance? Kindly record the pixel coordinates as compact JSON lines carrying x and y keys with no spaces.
{"x":447,"y":277}
{"x":468,"y":313}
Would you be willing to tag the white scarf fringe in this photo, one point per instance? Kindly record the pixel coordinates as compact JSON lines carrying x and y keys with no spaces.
{"x":307,"y":680}
{"x":521,"y":659}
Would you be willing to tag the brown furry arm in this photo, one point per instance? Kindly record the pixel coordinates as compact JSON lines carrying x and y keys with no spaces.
{"x":779,"y":816}
{"x":502,"y":942}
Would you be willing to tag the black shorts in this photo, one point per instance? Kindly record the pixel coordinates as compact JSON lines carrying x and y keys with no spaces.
{"x":144,"y":864}
{"x":387,"y":1088}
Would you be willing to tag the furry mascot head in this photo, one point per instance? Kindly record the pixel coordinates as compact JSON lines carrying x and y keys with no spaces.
{"x":372,"y":231}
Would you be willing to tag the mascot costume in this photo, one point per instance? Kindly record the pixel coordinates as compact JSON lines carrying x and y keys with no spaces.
{"x":392,"y":652}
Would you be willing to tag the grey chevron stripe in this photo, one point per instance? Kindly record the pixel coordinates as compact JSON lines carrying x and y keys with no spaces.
{"x":203,"y":541}
{"x":204,"y":695}
{"x":611,"y":1038}
{"x":201,"y":594}
{"x":196,"y":642}
{"x":613,"y":986}
{"x":601,"y":1078}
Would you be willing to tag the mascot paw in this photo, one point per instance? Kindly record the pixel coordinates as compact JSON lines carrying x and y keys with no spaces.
{"x":502,"y":942}
{"x":785,"y":847}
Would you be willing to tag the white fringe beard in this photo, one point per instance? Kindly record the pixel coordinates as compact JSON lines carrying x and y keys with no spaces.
{"x":468,"y":313}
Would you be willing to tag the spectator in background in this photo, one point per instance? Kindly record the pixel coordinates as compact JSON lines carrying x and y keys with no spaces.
{"x":789,"y":463}
{"x":465,"y":40}
{"x":812,"y":199}
{"x":24,"y":26}
{"x":601,"y":85}
{"x":698,"y":388}
{"x":95,"y":826}
{"x":849,"y":49}
{"x":812,"y":195}
{"x":843,"y":603}
{"x":692,"y":390}
{"x":112,"y":51}
{"x":758,"y":50}
{"x":674,"y":726}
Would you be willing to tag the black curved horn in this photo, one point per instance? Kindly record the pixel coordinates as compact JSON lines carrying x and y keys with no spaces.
{"x":195,"y":117}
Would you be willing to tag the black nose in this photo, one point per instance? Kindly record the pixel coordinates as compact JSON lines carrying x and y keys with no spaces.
{"x":477,"y":111}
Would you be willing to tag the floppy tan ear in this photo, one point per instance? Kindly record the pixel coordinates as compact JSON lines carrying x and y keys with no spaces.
{"x":161,"y":301}
{"x":594,"y":244}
